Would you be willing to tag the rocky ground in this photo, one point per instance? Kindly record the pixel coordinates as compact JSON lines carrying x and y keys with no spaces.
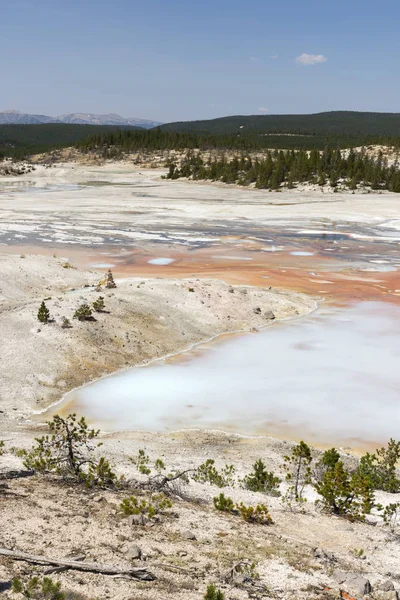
{"x":303,"y":555}
{"x":143,"y":319}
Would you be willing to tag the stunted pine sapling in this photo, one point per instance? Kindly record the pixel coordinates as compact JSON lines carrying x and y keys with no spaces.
{"x":298,"y":473}
{"x":99,"y":304}
{"x":83,"y":313}
{"x":381,"y":467}
{"x":346,"y":494}
{"x":261,"y":480}
{"x":207,"y":473}
{"x":224,"y":503}
{"x":38,"y":589}
{"x":43,"y":314}
{"x":252,"y":514}
{"x":157,"y":504}
{"x":68,"y":452}
{"x":213,"y":593}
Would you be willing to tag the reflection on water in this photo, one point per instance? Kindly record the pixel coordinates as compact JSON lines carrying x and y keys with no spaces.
{"x":332,"y":377}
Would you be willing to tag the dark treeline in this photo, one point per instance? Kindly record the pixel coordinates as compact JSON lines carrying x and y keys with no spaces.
{"x":334,"y":123}
{"x":20,"y":141}
{"x":288,"y":168}
{"x":116,"y":143}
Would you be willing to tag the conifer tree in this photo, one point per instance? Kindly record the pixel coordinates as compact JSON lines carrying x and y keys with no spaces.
{"x":43,"y":314}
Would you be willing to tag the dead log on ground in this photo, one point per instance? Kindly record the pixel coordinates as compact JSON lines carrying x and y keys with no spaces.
{"x":140,"y":574}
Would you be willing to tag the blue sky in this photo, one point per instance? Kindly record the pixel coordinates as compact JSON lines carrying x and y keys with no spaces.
{"x":192,"y":59}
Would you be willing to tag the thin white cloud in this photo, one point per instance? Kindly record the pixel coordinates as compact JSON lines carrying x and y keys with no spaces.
{"x":262,"y":109}
{"x":254,"y":59}
{"x":310,"y":59}
{"x":274,"y":56}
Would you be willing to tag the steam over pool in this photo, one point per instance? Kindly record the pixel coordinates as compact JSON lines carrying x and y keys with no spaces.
{"x":332,"y":377}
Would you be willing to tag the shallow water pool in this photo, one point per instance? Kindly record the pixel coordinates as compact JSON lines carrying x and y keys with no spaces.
{"x":332,"y":378}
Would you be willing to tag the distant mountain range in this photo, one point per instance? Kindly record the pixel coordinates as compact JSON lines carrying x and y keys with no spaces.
{"x":14,"y":117}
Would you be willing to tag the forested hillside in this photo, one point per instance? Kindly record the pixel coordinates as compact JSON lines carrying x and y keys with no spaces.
{"x":341,"y":123}
{"x":19,"y":141}
{"x":254,"y":133}
{"x":279,"y":169}
{"x":115,"y":143}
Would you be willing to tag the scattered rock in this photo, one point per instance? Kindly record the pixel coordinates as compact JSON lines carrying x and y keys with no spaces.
{"x":188,"y":535}
{"x":257,"y":311}
{"x":134,"y":520}
{"x":269,"y":314}
{"x":389,"y":595}
{"x":386,"y":586}
{"x":357,"y":584}
{"x":132,"y":551}
{"x":324,"y":556}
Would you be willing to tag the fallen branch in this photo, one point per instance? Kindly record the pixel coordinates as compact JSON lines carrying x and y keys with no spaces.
{"x":140,"y":574}
{"x":61,"y":569}
{"x":175,"y":568}
{"x":16,"y":474}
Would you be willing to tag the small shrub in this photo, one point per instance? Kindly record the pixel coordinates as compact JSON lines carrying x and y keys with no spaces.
{"x":1,"y":447}
{"x":40,"y":589}
{"x":158,"y":504}
{"x":207,"y":473}
{"x":67,"y":265}
{"x":65,"y":323}
{"x":224,"y":503}
{"x":99,"y":304}
{"x":255,"y":514}
{"x":261,"y":480}
{"x":213,"y":593}
{"x":43,"y":314}
{"x":142,"y":460}
{"x":381,"y":467}
{"x":391,"y":515}
{"x":83,"y":313}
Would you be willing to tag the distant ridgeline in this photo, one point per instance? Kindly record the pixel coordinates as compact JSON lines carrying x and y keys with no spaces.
{"x":20,"y":141}
{"x":357,"y":125}
{"x":242,"y":133}
{"x":279,"y":168}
